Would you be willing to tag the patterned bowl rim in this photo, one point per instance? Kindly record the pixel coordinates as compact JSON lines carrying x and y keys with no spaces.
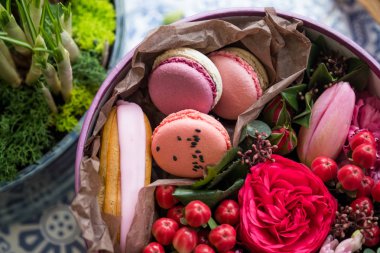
{"x":221,"y":13}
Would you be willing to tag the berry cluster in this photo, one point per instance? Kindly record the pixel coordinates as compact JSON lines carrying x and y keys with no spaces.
{"x":354,"y":180}
{"x":191,"y":228}
{"x":261,"y":150}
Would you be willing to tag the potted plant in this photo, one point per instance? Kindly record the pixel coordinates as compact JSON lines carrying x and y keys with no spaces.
{"x":54,"y":57}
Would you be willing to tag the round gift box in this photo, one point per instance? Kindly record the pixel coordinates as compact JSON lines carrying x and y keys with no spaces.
{"x":335,"y":40}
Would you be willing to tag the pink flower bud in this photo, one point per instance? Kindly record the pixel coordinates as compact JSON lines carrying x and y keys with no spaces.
{"x":285,"y":138}
{"x":276,"y":112}
{"x":329,"y":124}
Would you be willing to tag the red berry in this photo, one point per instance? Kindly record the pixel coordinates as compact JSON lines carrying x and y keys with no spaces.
{"x":176,"y":213}
{"x":325,"y":168}
{"x":197,"y":213}
{"x":365,"y":187}
{"x":154,"y":247}
{"x":363,"y":137}
{"x":164,"y":196}
{"x":203,"y":248}
{"x":164,"y":230}
{"x":364,"y":155}
{"x":223,"y":237}
{"x":227,"y":212}
{"x":362,"y":204}
{"x":372,"y":237}
{"x":185,"y":240}
{"x":376,"y":192}
{"x":350,"y":176}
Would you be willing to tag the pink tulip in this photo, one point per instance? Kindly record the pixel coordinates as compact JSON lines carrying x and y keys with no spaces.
{"x":329,"y":124}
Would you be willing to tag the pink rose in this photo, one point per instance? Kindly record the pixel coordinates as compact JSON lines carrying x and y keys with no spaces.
{"x":284,"y":207}
{"x":367,"y":114}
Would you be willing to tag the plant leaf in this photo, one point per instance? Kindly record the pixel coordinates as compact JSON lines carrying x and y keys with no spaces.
{"x":320,"y":76}
{"x":357,"y":74}
{"x":212,"y":223}
{"x":236,"y":170}
{"x":370,"y":251}
{"x":291,"y":95}
{"x":322,"y":44}
{"x":303,"y":118}
{"x":313,"y":56}
{"x":251,"y":128}
{"x":212,"y":171}
{"x":209,"y":197}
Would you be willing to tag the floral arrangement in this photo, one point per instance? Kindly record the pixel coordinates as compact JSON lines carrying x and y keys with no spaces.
{"x":301,"y":175}
{"x":303,"y":179}
{"x":47,"y":82}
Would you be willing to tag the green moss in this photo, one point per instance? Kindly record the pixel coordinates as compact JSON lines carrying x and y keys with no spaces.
{"x":69,"y":113}
{"x":94,"y":22}
{"x":24,"y":129}
{"x":88,"y":72}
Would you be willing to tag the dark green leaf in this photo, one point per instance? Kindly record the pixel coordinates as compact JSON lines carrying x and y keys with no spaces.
{"x":251,"y":128}
{"x":209,"y":197}
{"x":357,"y":74}
{"x":237,"y":170}
{"x":212,"y":171}
{"x":303,"y":118}
{"x":322,"y":44}
{"x":320,"y":76}
{"x":313,"y":56}
{"x":291,"y":95}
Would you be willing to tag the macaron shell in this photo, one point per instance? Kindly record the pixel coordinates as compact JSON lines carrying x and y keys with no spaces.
{"x":181,"y":84}
{"x":252,"y":61}
{"x":186,"y":142}
{"x":194,"y":55}
{"x":240,"y":89}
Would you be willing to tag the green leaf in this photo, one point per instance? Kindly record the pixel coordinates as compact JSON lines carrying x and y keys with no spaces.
{"x":313,"y":56}
{"x":378,"y":250}
{"x":357,"y":74}
{"x":321,"y":43}
{"x":209,"y":197}
{"x":370,"y":251}
{"x":237,"y":170}
{"x":303,"y":118}
{"x":320,"y":76}
{"x":251,"y":128}
{"x":171,"y":17}
{"x":212,"y":171}
{"x":291,"y":95}
{"x":212,"y":223}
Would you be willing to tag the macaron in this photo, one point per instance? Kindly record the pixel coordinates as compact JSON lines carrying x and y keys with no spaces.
{"x":125,"y":163}
{"x":187,"y":141}
{"x":244,"y":79}
{"x":184,"y":78}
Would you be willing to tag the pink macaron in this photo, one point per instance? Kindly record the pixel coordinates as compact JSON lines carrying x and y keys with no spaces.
{"x":244,"y":79}
{"x":187,"y":141}
{"x":184,"y":78}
